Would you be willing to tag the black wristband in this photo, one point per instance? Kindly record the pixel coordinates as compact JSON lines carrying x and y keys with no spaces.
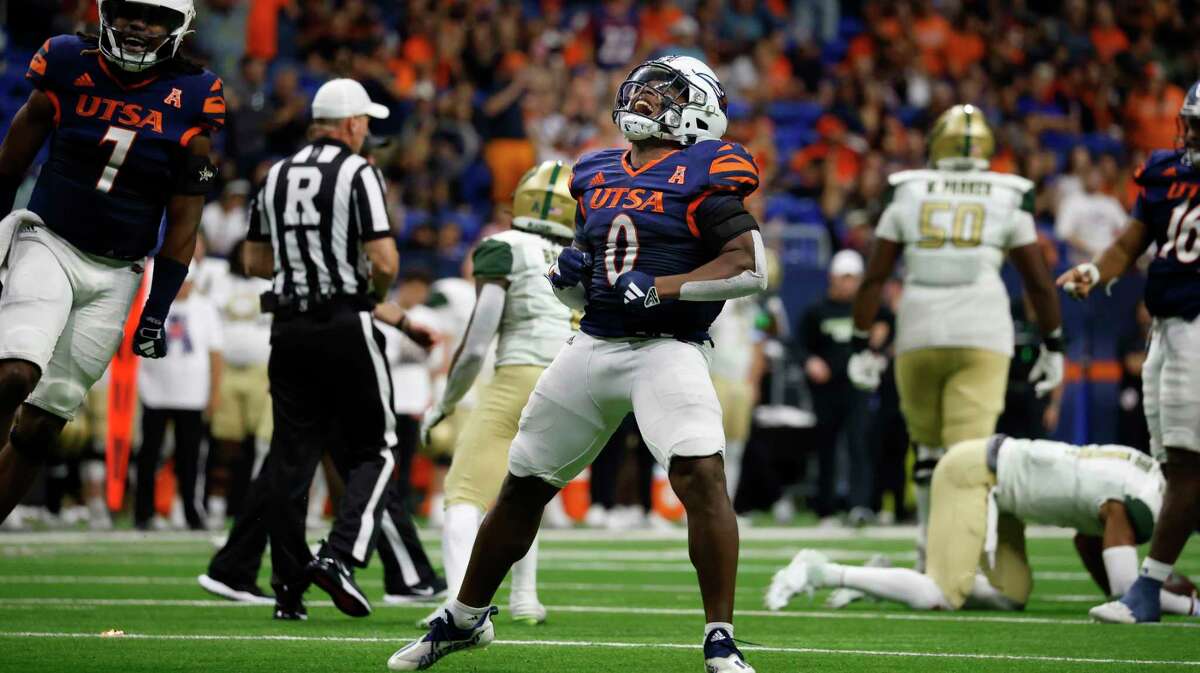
{"x":165,"y":282}
{"x":1053,"y":341}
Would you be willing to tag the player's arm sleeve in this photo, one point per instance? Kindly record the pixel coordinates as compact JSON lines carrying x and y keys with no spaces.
{"x":719,"y":219}
{"x":485,"y":322}
{"x":367,"y":205}
{"x":492,"y":260}
{"x":1024,"y":229}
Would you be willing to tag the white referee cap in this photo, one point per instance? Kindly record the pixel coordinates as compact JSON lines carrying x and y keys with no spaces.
{"x":846,"y":263}
{"x":343,"y":98}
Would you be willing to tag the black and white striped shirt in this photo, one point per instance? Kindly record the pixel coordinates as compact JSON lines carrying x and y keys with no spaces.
{"x":317,"y":208}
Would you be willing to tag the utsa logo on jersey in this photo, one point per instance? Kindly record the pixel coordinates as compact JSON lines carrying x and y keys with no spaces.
{"x":644,"y":218}
{"x":1168,"y":205}
{"x":117,"y":144}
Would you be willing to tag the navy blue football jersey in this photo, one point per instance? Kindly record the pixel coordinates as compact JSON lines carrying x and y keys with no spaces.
{"x":645,"y":219}
{"x":117,"y":145}
{"x":1169,"y":206}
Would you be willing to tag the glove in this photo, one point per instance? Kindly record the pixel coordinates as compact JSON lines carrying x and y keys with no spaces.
{"x":150,"y":339}
{"x":1047,"y":372}
{"x":433,"y":415}
{"x":638,"y":291}
{"x":572,"y":266}
{"x":865,"y":369}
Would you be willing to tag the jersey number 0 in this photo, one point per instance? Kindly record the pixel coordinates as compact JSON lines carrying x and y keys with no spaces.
{"x":617,"y":258}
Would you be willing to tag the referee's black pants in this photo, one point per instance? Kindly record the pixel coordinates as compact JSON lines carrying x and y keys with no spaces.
{"x":330,"y":389}
{"x":405,"y":563}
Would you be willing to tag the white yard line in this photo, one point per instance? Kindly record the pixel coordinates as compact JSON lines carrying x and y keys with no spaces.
{"x":620,"y":645}
{"x":764,"y":534}
{"x":597,"y":609}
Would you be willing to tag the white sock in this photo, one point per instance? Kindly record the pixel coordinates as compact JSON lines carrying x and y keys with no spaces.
{"x":1156,"y":570}
{"x":524,"y":573}
{"x":902,"y":585}
{"x":458,"y":538}
{"x":922,"y":493}
{"x":463,"y":615}
{"x":1120,"y":564}
{"x":712,"y":626}
{"x":733,"y":464}
{"x":984,"y":596}
{"x":1175,"y":604}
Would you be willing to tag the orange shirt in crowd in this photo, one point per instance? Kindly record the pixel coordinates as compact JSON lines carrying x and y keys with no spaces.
{"x":655,"y":23}
{"x":964,"y":50}
{"x":932,"y":33}
{"x":262,"y":28}
{"x":1108,"y":42}
{"x":1150,"y":119}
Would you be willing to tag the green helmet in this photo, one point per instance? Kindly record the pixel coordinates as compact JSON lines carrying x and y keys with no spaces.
{"x":961,"y":140}
{"x":543,"y":203}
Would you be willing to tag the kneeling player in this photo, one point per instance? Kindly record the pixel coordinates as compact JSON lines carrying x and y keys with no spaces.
{"x":984,"y":492}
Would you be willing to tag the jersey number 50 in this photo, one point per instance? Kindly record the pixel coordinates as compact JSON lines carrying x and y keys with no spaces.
{"x":966,"y":230}
{"x":617,"y":258}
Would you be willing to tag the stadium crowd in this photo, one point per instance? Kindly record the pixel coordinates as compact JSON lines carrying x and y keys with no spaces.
{"x":830,"y":97}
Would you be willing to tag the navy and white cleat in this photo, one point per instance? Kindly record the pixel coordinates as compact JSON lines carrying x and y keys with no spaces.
{"x":1139,"y":605}
{"x":722,"y":656}
{"x":444,"y":638}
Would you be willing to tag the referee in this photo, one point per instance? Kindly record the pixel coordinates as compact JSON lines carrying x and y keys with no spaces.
{"x":323,"y":237}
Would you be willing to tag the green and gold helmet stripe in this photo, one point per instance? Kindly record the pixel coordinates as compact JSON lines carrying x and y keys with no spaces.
{"x":542,"y":202}
{"x":961,"y":139}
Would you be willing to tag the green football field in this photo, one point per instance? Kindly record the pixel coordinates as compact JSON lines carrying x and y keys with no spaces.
{"x":617,"y":601}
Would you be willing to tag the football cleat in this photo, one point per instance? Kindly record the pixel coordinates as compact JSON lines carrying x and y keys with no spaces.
{"x":443,"y":638}
{"x":803,"y":574}
{"x":1139,"y":605}
{"x":427,"y":621}
{"x":289,"y":604}
{"x":428,"y":592}
{"x":526,"y":609}
{"x":337,"y":580}
{"x":721,"y":655}
{"x":240,"y":593}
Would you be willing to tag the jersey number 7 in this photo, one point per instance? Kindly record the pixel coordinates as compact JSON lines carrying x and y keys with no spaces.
{"x":122,"y":140}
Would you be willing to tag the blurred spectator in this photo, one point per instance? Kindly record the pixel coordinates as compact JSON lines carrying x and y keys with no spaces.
{"x":180,"y":389}
{"x":221,"y":33}
{"x":250,"y":113}
{"x":225,"y":221}
{"x":825,"y":330}
{"x":507,"y":151}
{"x":1089,"y":220}
{"x":1131,"y":354}
{"x":287,"y":123}
{"x":1151,"y":110}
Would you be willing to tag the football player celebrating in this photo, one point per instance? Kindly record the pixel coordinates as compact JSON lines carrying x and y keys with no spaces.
{"x":662,"y":239}
{"x":516,"y":305}
{"x":1166,"y":214}
{"x":130,"y":124}
{"x":954,"y":222}
{"x":984,"y":492}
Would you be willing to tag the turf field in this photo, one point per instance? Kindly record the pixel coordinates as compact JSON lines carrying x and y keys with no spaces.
{"x":618,"y":602}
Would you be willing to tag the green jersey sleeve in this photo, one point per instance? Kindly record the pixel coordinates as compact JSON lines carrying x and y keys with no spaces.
{"x":493,"y":259}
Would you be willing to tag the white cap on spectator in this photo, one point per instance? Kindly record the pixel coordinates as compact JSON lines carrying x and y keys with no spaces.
{"x":344,"y":98}
{"x":846,"y":263}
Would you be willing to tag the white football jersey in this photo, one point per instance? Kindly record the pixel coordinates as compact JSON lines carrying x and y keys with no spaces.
{"x":535,"y":324}
{"x":733,"y":333}
{"x":1058,"y":484}
{"x":956,"y":227}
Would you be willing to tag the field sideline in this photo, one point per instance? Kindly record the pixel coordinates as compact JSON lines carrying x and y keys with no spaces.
{"x":617,"y":601}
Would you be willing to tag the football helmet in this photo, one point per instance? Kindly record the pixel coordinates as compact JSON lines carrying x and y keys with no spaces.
{"x":542,"y":203}
{"x":151,"y":33}
{"x":675,"y":98}
{"x":961,"y":140}
{"x":1189,"y":120}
